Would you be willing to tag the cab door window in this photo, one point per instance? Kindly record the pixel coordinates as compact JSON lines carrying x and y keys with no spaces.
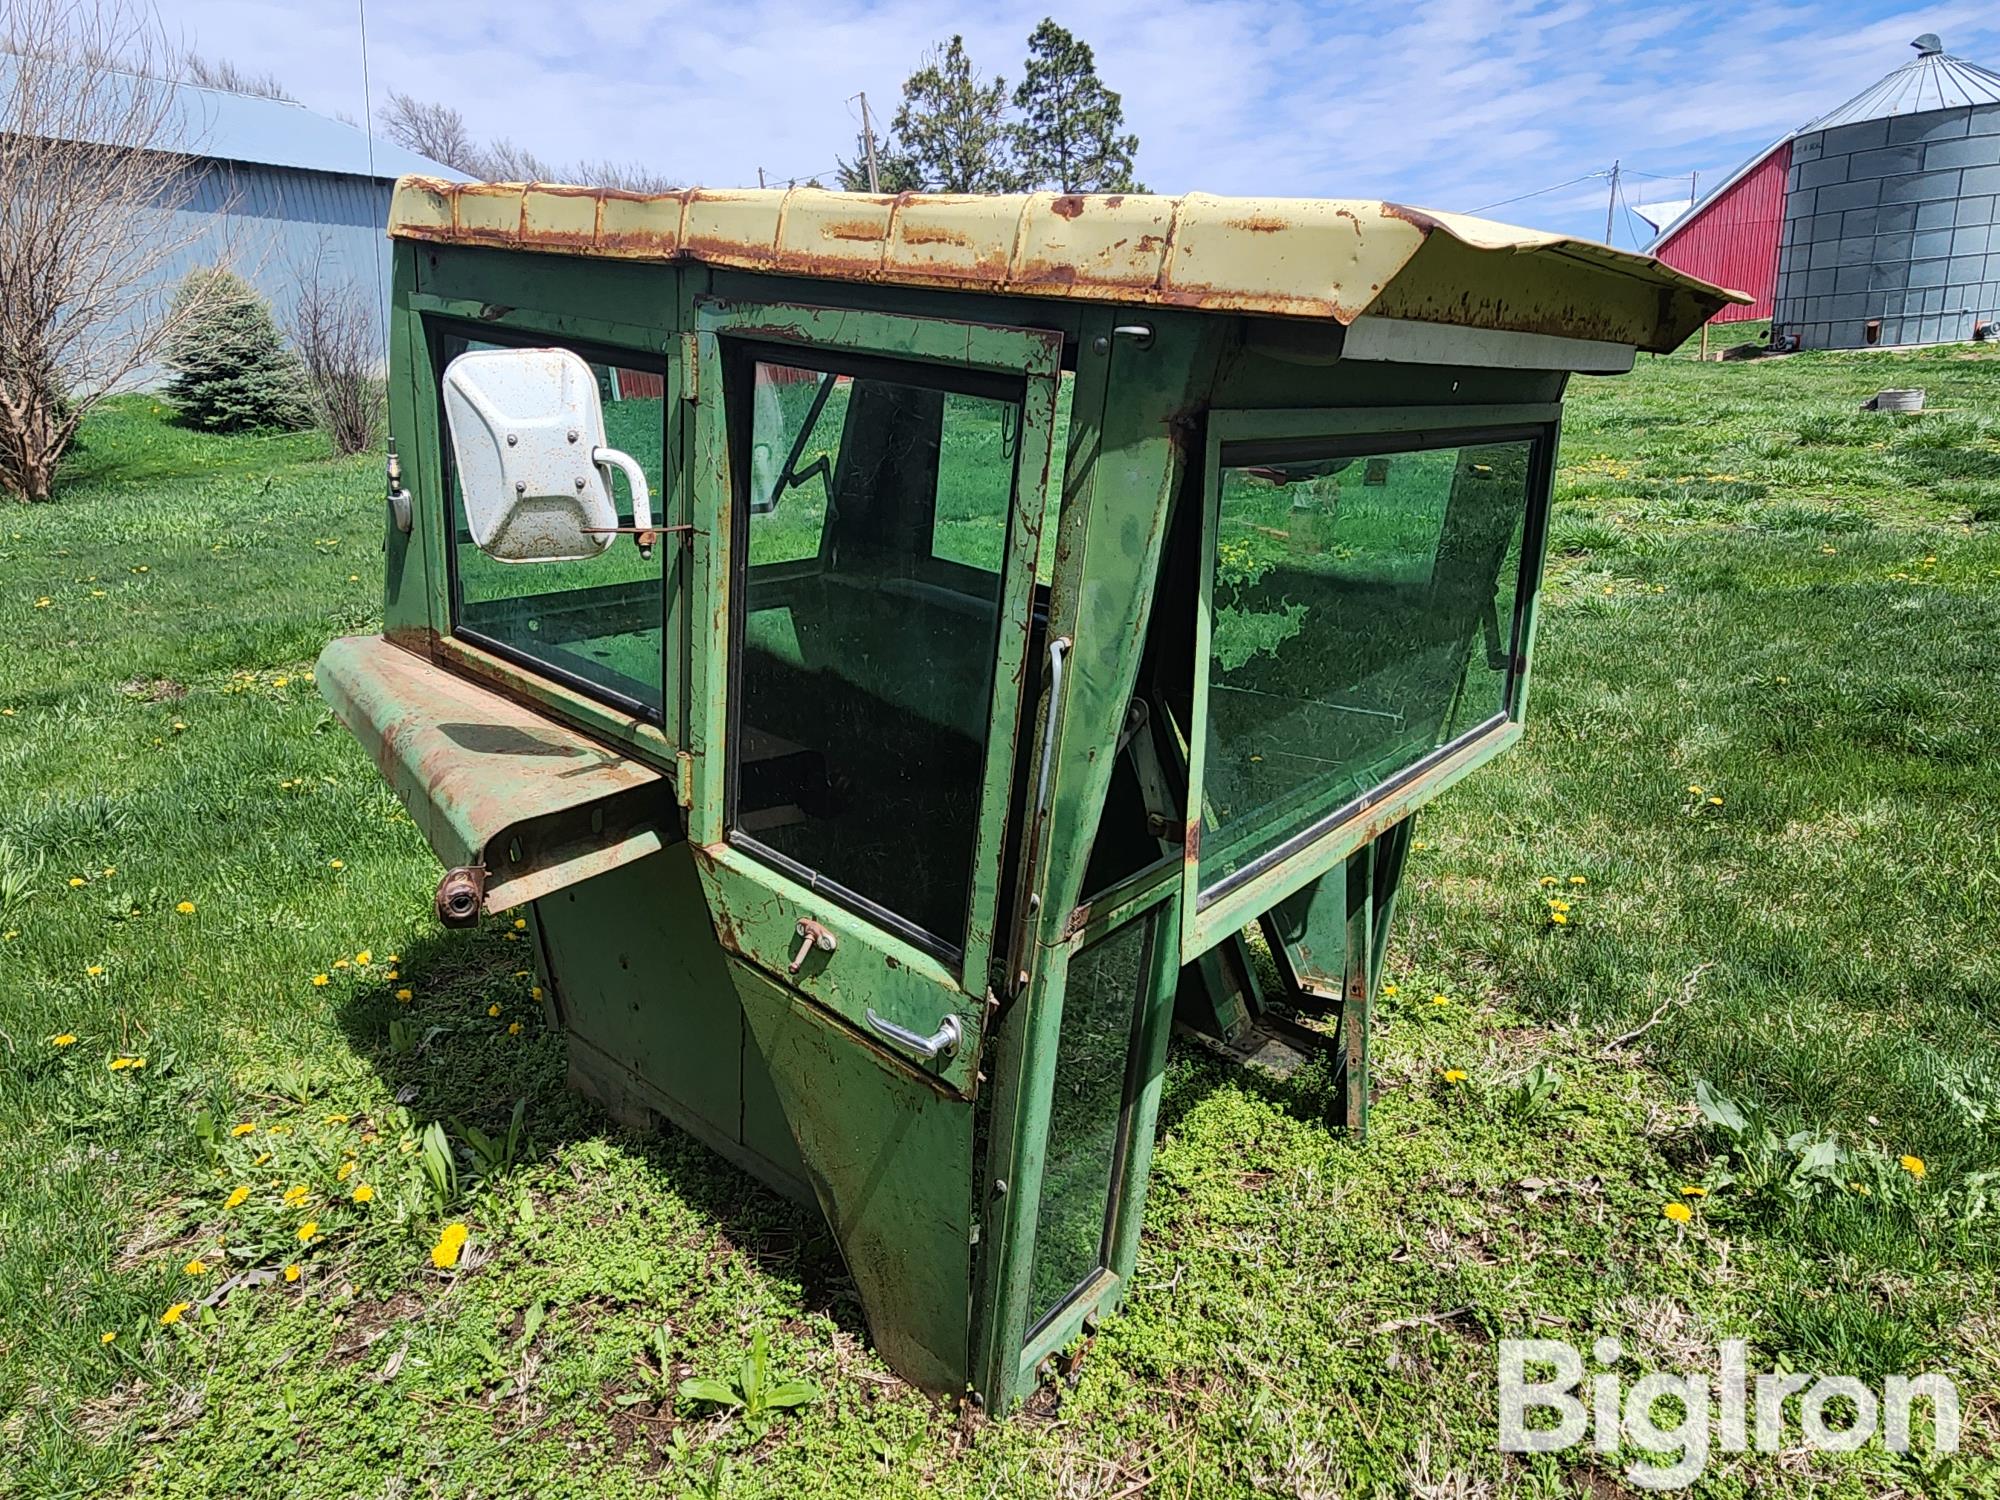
{"x":596,"y":624}
{"x":865,"y":655}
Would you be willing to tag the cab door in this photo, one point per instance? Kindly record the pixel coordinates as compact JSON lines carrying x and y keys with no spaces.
{"x":868,"y":493}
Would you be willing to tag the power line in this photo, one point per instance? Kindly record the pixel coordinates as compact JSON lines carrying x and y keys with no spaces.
{"x":1552,"y":188}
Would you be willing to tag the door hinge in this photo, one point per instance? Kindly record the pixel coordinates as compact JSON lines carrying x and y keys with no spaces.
{"x":690,"y":365}
{"x":684,"y":778}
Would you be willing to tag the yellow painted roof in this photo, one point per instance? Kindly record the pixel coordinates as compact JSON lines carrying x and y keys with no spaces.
{"x":1290,"y":257}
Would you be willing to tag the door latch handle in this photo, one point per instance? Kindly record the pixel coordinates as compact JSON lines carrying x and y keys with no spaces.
{"x":942,"y":1042}
{"x":811,"y":935}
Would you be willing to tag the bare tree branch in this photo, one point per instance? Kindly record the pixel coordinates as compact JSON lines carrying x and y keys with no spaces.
{"x":335,"y":329}
{"x":440,"y":132}
{"x":225,"y":75}
{"x":96,"y":154}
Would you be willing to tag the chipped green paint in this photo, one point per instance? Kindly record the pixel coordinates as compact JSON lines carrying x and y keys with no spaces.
{"x":969,"y":1096}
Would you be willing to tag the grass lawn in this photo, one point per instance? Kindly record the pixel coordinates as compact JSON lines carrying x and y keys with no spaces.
{"x":1760,"y":769}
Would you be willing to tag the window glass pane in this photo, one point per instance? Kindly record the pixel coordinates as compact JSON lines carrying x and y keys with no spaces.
{"x":866,"y":666}
{"x":1086,"y":1115}
{"x":1362,"y":617}
{"x":599,"y":620}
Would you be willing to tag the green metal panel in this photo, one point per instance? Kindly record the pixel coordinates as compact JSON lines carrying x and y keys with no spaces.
{"x":651,"y":1007}
{"x":890,"y":1159}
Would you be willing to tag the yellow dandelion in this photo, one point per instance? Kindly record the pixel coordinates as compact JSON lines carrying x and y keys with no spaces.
{"x":534,"y":992}
{"x":1680,"y":1213}
{"x":185,"y":908}
{"x":1559,"y":918}
{"x":248,"y":1127}
{"x":95,"y":971}
{"x":363,"y":1193}
{"x":1392,"y":989}
{"x":514,"y":1028}
{"x":1715,"y":802}
{"x":404,"y":995}
{"x":262,"y":1157}
{"x":120,"y":1064}
{"x":340,"y":963}
{"x":334,"y":1120}
{"x":75,"y":881}
{"x":173,"y":1314}
{"x":1694,"y":1192}
{"x":296,"y":1194}
{"x":196,"y":1268}
{"x":1454,"y":1075}
{"x":392,"y":974}
{"x":1914,"y":1165}
{"x":320,"y":981}
{"x":44,"y":602}
{"x":1694,"y":789}
{"x":336,"y":864}
{"x":66,"y":1039}
{"x":1861,"y":1188}
{"x":308,"y":1231}
{"x":1578,"y":880}
{"x":364,"y":958}
{"x":107,"y":1336}
{"x":493,"y":1009}
{"x":520,"y":924}
{"x":238,"y":1196}
{"x":1440,"y":999}
{"x":1547,"y":881}
{"x":346,"y":1170}
{"x":109,"y":871}
{"x":450,"y":1241}
{"x":291,"y":1273}
{"x":392,"y":959}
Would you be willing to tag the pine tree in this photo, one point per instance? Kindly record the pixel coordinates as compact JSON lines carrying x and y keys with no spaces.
{"x":1071,"y":136}
{"x":951,"y":128}
{"x":232,"y":369}
{"x":894,"y":169}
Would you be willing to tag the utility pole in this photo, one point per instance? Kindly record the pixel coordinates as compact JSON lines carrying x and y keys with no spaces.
{"x":1611,"y":203}
{"x":760,"y":177}
{"x":868,"y":135}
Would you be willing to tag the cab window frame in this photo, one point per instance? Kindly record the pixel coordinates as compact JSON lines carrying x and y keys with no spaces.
{"x":1211,"y":910}
{"x":439,"y":329}
{"x":740,"y":357}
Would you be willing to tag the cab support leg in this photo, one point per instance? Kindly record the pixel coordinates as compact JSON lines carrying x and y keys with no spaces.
{"x":1360,"y":986}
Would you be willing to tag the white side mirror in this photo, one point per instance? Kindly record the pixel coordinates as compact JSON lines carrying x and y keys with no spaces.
{"x":527,"y":432}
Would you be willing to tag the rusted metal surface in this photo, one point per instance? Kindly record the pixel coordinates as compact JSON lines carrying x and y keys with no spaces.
{"x":1291,"y":257}
{"x":492,"y":784}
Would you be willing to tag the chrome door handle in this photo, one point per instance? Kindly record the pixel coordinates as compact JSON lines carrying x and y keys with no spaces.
{"x":944,"y":1041}
{"x":1058,"y":649}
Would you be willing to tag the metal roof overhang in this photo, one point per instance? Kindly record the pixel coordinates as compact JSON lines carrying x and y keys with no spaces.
{"x":1282,"y":257}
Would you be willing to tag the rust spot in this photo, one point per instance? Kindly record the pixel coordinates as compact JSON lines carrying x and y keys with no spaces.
{"x":1260,"y":224}
{"x":1068,"y":206}
{"x":854,"y":229}
{"x":1425,"y":222}
{"x":1192,"y":843}
{"x":935,"y":234}
{"x":1114,"y":200}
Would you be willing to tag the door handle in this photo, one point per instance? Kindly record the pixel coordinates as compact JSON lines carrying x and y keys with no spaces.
{"x":942,"y":1042}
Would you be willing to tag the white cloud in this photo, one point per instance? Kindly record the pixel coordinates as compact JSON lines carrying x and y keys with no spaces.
{"x":1452,"y":103}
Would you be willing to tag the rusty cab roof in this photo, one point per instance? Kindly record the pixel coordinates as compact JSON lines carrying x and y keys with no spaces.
{"x":1284,"y":257}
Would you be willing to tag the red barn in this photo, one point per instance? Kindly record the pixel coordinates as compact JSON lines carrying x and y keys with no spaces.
{"x":1731,"y":236}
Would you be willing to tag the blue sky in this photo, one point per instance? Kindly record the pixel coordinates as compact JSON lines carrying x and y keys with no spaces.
{"x":1449,"y":104}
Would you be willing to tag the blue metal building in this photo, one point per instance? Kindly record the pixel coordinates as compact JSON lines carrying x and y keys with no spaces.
{"x":276,"y":188}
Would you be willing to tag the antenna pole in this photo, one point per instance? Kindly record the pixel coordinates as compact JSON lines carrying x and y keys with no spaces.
{"x":868,"y":135}
{"x":1611,"y":203}
{"x":760,"y":177}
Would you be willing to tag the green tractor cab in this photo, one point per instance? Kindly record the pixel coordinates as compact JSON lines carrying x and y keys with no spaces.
{"x":893,"y":648}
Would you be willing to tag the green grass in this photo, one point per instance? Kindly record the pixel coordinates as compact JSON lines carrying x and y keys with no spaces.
{"x":1754,"y":588}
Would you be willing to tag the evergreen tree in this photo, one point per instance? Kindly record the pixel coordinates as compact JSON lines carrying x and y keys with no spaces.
{"x":951,"y":128}
{"x":232,"y":369}
{"x":1071,"y":136}
{"x":894,"y":169}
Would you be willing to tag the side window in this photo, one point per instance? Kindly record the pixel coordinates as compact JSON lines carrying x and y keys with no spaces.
{"x":597,"y":623}
{"x":1363,"y":616}
{"x":865,"y":661}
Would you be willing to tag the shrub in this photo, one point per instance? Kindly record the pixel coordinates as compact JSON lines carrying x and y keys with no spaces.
{"x":232,"y":370}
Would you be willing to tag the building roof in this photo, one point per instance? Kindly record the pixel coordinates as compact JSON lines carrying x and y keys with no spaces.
{"x":270,"y":132}
{"x":1688,"y":215}
{"x":1933,"y":79}
{"x":1291,"y":257}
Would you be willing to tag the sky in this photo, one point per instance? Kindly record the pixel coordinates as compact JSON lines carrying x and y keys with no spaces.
{"x":1450,"y":104}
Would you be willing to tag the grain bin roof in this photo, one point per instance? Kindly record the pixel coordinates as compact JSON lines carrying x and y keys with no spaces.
{"x":1290,"y":257}
{"x":1933,"y":79}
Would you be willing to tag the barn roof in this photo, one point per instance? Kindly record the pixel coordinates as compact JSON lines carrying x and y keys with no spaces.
{"x":1933,"y":79}
{"x":250,"y":128}
{"x":1292,"y":257}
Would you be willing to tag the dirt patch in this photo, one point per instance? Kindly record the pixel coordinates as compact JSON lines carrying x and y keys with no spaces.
{"x":157,"y":690}
{"x":368,"y":1322}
